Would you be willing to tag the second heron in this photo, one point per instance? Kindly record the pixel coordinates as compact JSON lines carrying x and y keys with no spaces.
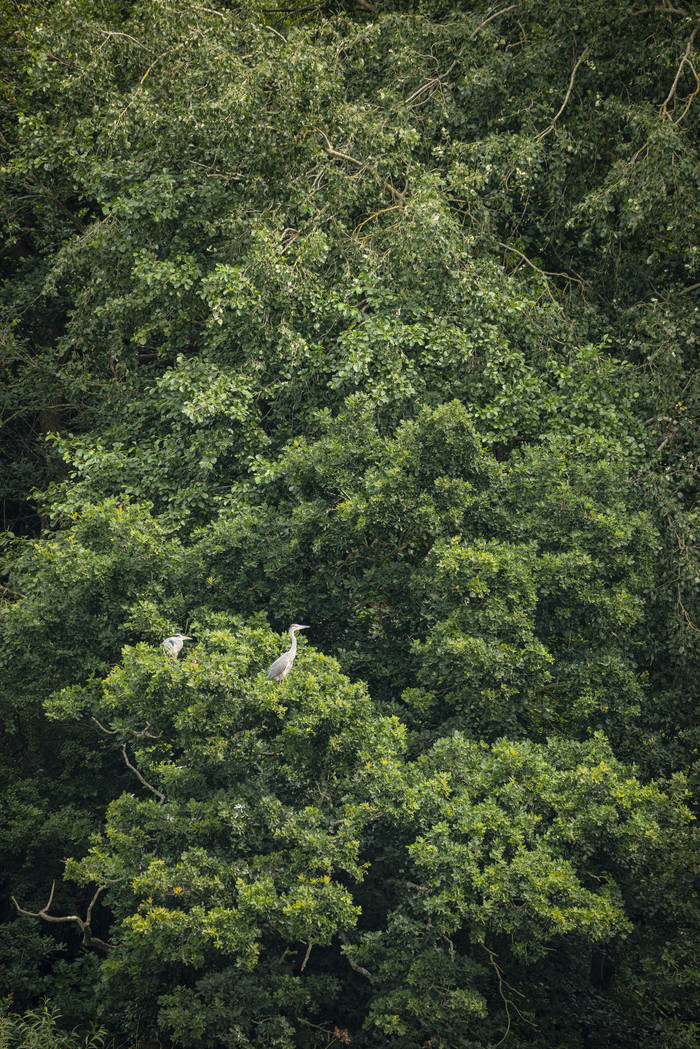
{"x":283,"y":664}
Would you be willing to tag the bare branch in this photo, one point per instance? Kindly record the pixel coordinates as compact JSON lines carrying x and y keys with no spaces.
{"x":140,"y":777}
{"x":433,"y":82}
{"x":306,"y":956}
{"x":566,"y":97}
{"x":496,"y":14}
{"x":292,"y":10}
{"x":93,"y":901}
{"x":334,"y":152}
{"x":545,"y":273}
{"x":670,"y":436}
{"x":107,"y":731}
{"x":374,"y":215}
{"x":153,"y":63}
{"x":671,"y":96}
{"x":506,"y":1001}
{"x":211,"y":11}
{"x":665,"y":9}
{"x":353,"y":965}
{"x":409,"y":885}
{"x":114,"y":32}
{"x":88,"y":939}
{"x":530,"y":263}
{"x":400,"y":197}
{"x":144,"y":733}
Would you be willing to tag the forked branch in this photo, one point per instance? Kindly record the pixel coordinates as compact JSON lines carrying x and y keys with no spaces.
{"x":398,"y":196}
{"x":84,"y":925}
{"x":672,"y":96}
{"x":143,"y":733}
{"x":508,"y":1002}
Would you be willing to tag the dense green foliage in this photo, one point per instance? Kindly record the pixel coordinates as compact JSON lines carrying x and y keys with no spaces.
{"x":381,"y":317}
{"x":41,"y":1029}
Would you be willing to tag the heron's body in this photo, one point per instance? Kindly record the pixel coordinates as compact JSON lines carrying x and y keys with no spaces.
{"x":283,"y":664}
{"x":172,"y":646}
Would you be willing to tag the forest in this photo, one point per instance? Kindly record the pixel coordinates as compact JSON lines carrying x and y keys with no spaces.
{"x":381,"y":317}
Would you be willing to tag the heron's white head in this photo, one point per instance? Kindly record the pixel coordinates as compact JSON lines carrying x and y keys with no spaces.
{"x":174,"y":639}
{"x":297,"y":626}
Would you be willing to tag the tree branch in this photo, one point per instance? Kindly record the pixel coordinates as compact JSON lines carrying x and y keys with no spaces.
{"x":545,"y":273}
{"x":143,"y":734}
{"x":211,"y":11}
{"x":292,"y":10}
{"x":360,"y":164}
{"x":496,"y":14}
{"x":107,"y":731}
{"x":113,"y":32}
{"x":353,"y":965}
{"x":663,"y":110}
{"x":88,"y":939}
{"x":566,"y":97}
{"x":436,"y":80}
{"x":306,"y":956}
{"x":140,"y":777}
{"x":506,"y":1001}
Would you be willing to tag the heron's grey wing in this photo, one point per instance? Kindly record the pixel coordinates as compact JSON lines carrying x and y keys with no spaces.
{"x":278,"y":666}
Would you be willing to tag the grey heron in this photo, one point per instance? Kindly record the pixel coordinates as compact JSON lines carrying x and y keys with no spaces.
{"x":172,"y":646}
{"x":283,"y":664}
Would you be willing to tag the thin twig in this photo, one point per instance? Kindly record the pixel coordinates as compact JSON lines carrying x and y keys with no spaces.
{"x":113,"y":32}
{"x":430,"y":83}
{"x":211,"y":11}
{"x":544,"y":273}
{"x":140,"y":777}
{"x":144,"y":733}
{"x":360,"y":164}
{"x":506,"y":1001}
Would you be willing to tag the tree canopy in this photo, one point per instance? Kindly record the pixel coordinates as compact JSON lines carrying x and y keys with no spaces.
{"x":381,"y":317}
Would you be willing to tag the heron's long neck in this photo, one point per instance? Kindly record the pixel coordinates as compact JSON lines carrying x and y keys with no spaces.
{"x":293,"y":636}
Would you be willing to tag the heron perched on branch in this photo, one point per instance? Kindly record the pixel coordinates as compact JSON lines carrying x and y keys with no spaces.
{"x":283,"y":664}
{"x":172,"y":646}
